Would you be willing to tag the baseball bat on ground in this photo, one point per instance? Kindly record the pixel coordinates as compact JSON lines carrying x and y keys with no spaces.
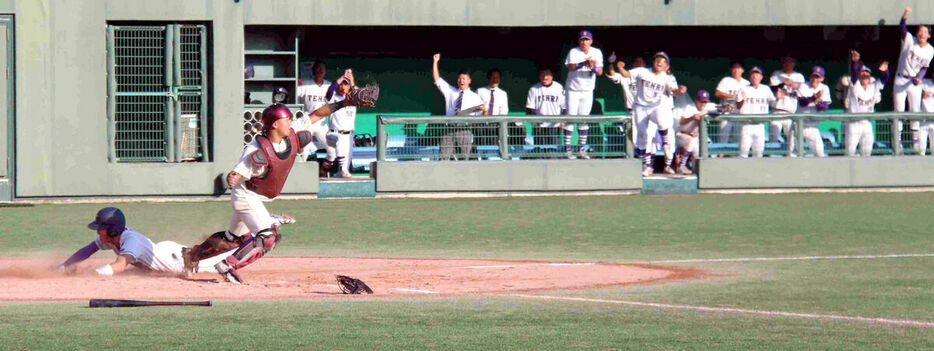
{"x":137,"y":303}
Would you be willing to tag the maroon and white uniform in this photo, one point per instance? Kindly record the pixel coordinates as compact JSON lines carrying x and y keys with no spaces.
{"x":262,"y":181}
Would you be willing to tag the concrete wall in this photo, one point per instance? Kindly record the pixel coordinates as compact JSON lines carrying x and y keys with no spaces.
{"x":832,"y":172}
{"x":572,"y":13}
{"x":61,"y":67}
{"x":509,"y":176}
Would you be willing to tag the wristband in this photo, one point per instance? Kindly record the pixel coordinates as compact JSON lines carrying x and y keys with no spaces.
{"x":105,"y":270}
{"x":581,"y":65}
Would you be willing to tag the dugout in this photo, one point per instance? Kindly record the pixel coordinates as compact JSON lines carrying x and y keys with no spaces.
{"x":62,"y":103}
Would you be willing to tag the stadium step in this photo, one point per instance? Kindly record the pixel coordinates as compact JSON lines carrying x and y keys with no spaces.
{"x":669,"y":185}
{"x":346,"y":187}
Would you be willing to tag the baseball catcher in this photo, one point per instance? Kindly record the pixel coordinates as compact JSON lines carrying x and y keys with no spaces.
{"x":259,"y":177}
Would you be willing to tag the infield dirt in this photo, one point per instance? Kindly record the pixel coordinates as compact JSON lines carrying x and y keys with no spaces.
{"x":29,"y":279}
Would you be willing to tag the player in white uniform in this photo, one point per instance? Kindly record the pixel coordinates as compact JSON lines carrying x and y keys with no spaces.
{"x":913,"y":61}
{"x":688,"y":129}
{"x":312,"y":96}
{"x":497,"y":104}
{"x":341,"y":125}
{"x":652,"y":88}
{"x":547,"y":98}
{"x":814,"y":97}
{"x":754,"y":99}
{"x":728,"y":91}
{"x":628,"y":85}
{"x":133,"y":248}
{"x":785,"y":82}
{"x":926,"y":128}
{"x":862,"y":95}
{"x":456,"y":102}
{"x":584,"y":64}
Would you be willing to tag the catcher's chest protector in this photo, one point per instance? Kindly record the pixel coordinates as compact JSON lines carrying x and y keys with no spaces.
{"x":278,"y":165}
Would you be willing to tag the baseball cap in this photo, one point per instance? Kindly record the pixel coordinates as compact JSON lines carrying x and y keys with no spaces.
{"x":755,"y":69}
{"x":865,"y":68}
{"x":818,"y":70}
{"x":663,"y":55}
{"x":702,"y":95}
{"x":585,"y":34}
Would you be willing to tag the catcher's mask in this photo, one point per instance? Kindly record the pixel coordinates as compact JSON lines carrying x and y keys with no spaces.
{"x":111,"y":219}
{"x":274,"y":113}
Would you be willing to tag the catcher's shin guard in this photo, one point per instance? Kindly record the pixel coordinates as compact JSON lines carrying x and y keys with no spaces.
{"x":215,"y":244}
{"x":254,"y":248}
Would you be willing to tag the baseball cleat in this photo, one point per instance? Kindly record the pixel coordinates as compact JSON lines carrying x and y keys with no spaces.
{"x":570,"y":155}
{"x":229,"y":273}
{"x":283,"y":218}
{"x":646,"y":171}
{"x":685,"y":170}
{"x":669,"y":170}
{"x":584,"y":154}
{"x":343,"y":174}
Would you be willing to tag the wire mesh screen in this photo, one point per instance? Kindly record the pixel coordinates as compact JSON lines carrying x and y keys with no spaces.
{"x":140,"y":58}
{"x":190,"y":47}
{"x":190,"y":123}
{"x":140,"y":128}
{"x":465,"y":140}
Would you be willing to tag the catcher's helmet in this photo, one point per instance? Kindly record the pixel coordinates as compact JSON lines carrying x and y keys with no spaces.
{"x":279,"y":95}
{"x":110,"y":219}
{"x":274,"y":113}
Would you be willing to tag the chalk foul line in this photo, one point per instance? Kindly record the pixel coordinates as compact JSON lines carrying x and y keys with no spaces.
{"x":887,"y":321}
{"x":788,"y":258}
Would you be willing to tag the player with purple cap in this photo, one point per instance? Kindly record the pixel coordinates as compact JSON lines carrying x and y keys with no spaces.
{"x":863,"y":93}
{"x":785,"y":82}
{"x":688,"y":130}
{"x":814,"y":97}
{"x":584,"y":64}
{"x":652,"y":88}
{"x":754,"y":99}
{"x":913,"y":61}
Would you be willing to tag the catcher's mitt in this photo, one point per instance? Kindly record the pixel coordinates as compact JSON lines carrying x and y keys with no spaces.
{"x":364,"y":97}
{"x":350,"y":285}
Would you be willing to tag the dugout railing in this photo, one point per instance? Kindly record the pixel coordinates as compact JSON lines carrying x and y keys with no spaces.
{"x":833,"y":129}
{"x":428,"y":138}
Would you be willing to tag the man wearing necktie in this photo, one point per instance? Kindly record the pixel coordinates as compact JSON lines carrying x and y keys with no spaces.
{"x":497,"y":104}
{"x":457,"y":101}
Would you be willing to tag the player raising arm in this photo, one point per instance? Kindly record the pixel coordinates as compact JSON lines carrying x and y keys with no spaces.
{"x":258,"y":177}
{"x":862,"y":96}
{"x":913,"y":61}
{"x":652,"y":87}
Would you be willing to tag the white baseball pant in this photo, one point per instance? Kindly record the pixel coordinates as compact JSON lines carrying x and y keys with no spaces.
{"x":925,"y":136}
{"x":339,"y":148}
{"x":859,"y":134}
{"x":813,"y":139}
{"x":752,"y":136}
{"x":903,"y":90}
{"x":319,"y":132}
{"x":250,"y":214}
{"x":689,"y":143}
{"x":782,"y":127}
{"x":579,"y":104}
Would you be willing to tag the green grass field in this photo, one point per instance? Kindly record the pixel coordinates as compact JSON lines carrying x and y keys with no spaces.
{"x":604,"y":228}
